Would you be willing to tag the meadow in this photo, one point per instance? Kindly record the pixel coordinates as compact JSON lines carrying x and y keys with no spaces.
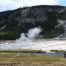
{"x":24,"y":59}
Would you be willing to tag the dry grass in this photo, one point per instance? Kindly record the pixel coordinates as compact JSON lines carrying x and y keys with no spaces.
{"x":14,"y":59}
{"x":34,"y":64}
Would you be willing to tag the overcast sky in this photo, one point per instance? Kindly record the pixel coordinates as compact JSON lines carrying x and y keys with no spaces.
{"x":13,"y":4}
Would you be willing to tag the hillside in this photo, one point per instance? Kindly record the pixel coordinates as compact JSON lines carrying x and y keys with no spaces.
{"x":15,"y":22}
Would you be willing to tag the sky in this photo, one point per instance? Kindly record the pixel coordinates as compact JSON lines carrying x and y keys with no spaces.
{"x":14,"y":4}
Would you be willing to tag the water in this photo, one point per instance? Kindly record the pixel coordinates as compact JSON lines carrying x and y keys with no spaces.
{"x":55,"y":54}
{"x":58,"y":54}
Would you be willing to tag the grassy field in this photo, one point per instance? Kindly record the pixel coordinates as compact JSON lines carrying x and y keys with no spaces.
{"x":18,"y":59}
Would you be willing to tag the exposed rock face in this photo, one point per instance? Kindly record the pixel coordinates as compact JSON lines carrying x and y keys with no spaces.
{"x":15,"y":22}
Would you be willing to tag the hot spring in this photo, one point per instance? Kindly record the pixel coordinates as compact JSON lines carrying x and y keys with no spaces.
{"x":30,"y":43}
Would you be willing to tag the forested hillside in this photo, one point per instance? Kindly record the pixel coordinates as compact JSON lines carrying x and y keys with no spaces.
{"x":15,"y":22}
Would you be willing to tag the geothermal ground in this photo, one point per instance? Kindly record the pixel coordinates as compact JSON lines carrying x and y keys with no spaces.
{"x":31,"y":43}
{"x":45,"y":45}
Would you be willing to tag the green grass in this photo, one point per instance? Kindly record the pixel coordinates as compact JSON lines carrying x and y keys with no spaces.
{"x":25,"y":51}
{"x":17,"y":59}
{"x":34,"y":58}
{"x":57,"y":51}
{"x":14,"y":57}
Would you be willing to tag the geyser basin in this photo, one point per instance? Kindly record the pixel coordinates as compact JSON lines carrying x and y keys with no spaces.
{"x":45,"y":45}
{"x":30,"y":43}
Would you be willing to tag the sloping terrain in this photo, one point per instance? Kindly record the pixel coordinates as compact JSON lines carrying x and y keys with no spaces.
{"x":15,"y":22}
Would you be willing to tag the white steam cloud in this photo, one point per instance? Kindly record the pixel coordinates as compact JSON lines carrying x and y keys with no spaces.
{"x":23,"y":42}
{"x":26,"y":43}
{"x":34,"y":32}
